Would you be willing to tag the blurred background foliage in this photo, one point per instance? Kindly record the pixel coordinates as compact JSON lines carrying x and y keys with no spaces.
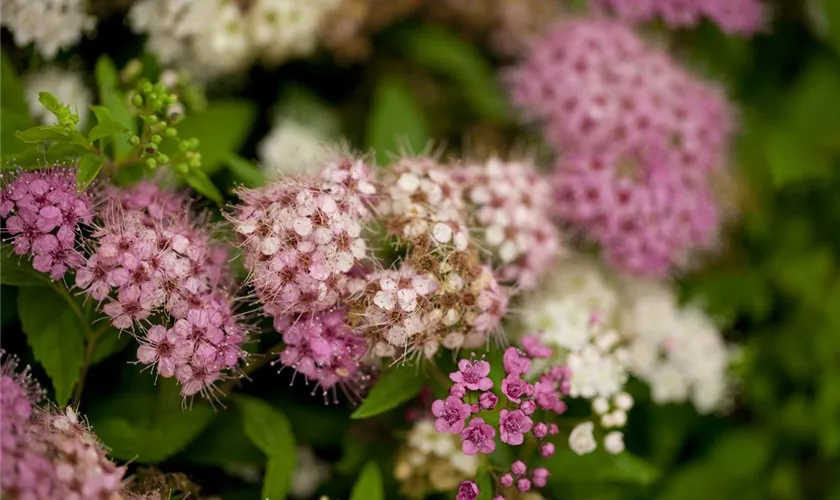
{"x":775,"y":287}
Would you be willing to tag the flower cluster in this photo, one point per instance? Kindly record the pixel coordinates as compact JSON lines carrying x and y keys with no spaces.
{"x":432,"y":461}
{"x":462,"y":411}
{"x":46,"y":453}
{"x":301,"y":237}
{"x":322,"y":348}
{"x":211,"y":38}
{"x":153,"y":260}
{"x":511,"y":203}
{"x":49,"y":25}
{"x":43,"y":211}
{"x":292,"y":148}
{"x":68,"y":86}
{"x":440,"y":294}
{"x":676,"y":350}
{"x":742,"y":17}
{"x":638,"y":136}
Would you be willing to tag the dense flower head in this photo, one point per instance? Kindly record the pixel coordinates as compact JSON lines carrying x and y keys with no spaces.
{"x":212,"y":38}
{"x":43,"y":211}
{"x":149,"y":258}
{"x":677,"y":350}
{"x":324,"y":349}
{"x":648,"y":218}
{"x":511,"y":204}
{"x":302,"y":237}
{"x":597,"y":87}
{"x":432,"y":461}
{"x":49,"y":25}
{"x":19,"y":393}
{"x":742,"y":17}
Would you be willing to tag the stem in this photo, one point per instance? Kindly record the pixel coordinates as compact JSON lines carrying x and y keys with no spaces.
{"x":92,"y":341}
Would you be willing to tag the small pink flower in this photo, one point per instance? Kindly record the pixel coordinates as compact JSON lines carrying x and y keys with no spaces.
{"x":467,"y":490}
{"x":546,"y":450}
{"x":515,"y":388}
{"x":523,"y":485}
{"x":528,"y":407}
{"x":539,"y":477}
{"x":488,"y":400}
{"x":506,"y":480}
{"x":478,"y":437}
{"x":513,"y":425}
{"x":540,"y":430}
{"x":458,"y":390}
{"x":515,"y":361}
{"x":534,"y":348}
{"x":166,"y":349}
{"x":518,"y":467}
{"x":473,"y":374}
{"x":451,"y":414}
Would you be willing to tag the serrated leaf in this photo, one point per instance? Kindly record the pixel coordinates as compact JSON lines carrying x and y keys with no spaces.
{"x":199,"y":181}
{"x":393,"y":388}
{"x":567,"y":466}
{"x":57,"y":339}
{"x":89,"y":167}
{"x":16,"y":270}
{"x":246,"y":172}
{"x":270,"y":431}
{"x":114,"y":99}
{"x":106,"y":124}
{"x":395,"y":120}
{"x":369,"y":484}
{"x":12,"y":97}
{"x":43,"y":133}
{"x":221,"y":129}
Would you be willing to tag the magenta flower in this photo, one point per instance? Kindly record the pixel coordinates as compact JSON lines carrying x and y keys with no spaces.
{"x":547,"y":398}
{"x":515,"y":361}
{"x":515,"y":388}
{"x":478,"y":437}
{"x":165,"y":349}
{"x":534,"y":348}
{"x":467,"y":490}
{"x":458,"y":390}
{"x":451,"y":414}
{"x":473,"y":374}
{"x":488,"y":400}
{"x":513,"y":425}
{"x":540,"y":430}
{"x":742,"y":17}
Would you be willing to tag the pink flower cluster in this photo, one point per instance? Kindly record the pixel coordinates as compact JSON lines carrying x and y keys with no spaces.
{"x":43,"y":211}
{"x":324,"y":349}
{"x":742,"y":17}
{"x":647,"y":217}
{"x":516,"y":418}
{"x":46,"y":454}
{"x":153,"y":260}
{"x":301,"y":237}
{"x":511,"y":203}
{"x":636,"y":132}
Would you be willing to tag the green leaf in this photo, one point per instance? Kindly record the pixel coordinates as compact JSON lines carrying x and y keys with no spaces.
{"x":369,"y":485}
{"x":114,"y":99}
{"x":10,"y":123}
{"x":223,"y":443}
{"x":567,"y":466}
{"x":147,"y":423}
{"x":57,"y":339}
{"x":17,"y":271}
{"x":199,"y":181}
{"x":269,"y":430}
{"x":220,"y":129}
{"x":485,"y":485}
{"x":8,"y":304}
{"x":444,"y":52}
{"x":393,"y":388}
{"x":249,"y":174}
{"x":111,"y":342}
{"x":12,"y":98}
{"x":44,"y":133}
{"x":50,"y":102}
{"x":106,"y":124}
{"x":89,"y":167}
{"x":395,"y":120}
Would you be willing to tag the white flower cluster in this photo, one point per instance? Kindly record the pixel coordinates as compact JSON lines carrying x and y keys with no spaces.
{"x":292,"y":148}
{"x":309,"y":473}
{"x":67,"y":86}
{"x":676,"y":350}
{"x":51,"y":25}
{"x":604,"y":332}
{"x":440,"y":452}
{"x":211,"y":38}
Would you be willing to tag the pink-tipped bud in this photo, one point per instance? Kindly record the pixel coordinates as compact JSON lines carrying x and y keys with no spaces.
{"x":458,"y":390}
{"x":540,"y":430}
{"x":506,"y":480}
{"x":474,"y":408}
{"x":539,"y":477}
{"x":518,"y":468}
{"x":523,"y":485}
{"x":547,"y":450}
{"x":488,"y":400}
{"x":553,"y":429}
{"x":528,"y":407}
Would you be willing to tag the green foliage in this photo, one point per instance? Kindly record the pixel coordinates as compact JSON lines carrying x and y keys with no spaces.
{"x":89,"y":167}
{"x":394,"y":387}
{"x":114,"y":99}
{"x":599,"y":466}
{"x":220,"y":129}
{"x":369,"y":484}
{"x":269,"y":430}
{"x":246,"y":172}
{"x":58,"y":338}
{"x":396,"y":122}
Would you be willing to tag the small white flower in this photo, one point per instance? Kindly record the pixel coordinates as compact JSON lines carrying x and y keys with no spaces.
{"x":614,"y":442}
{"x":623,"y":401}
{"x":309,"y":473}
{"x":581,"y":439}
{"x":600,"y":405}
{"x":292,"y":148}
